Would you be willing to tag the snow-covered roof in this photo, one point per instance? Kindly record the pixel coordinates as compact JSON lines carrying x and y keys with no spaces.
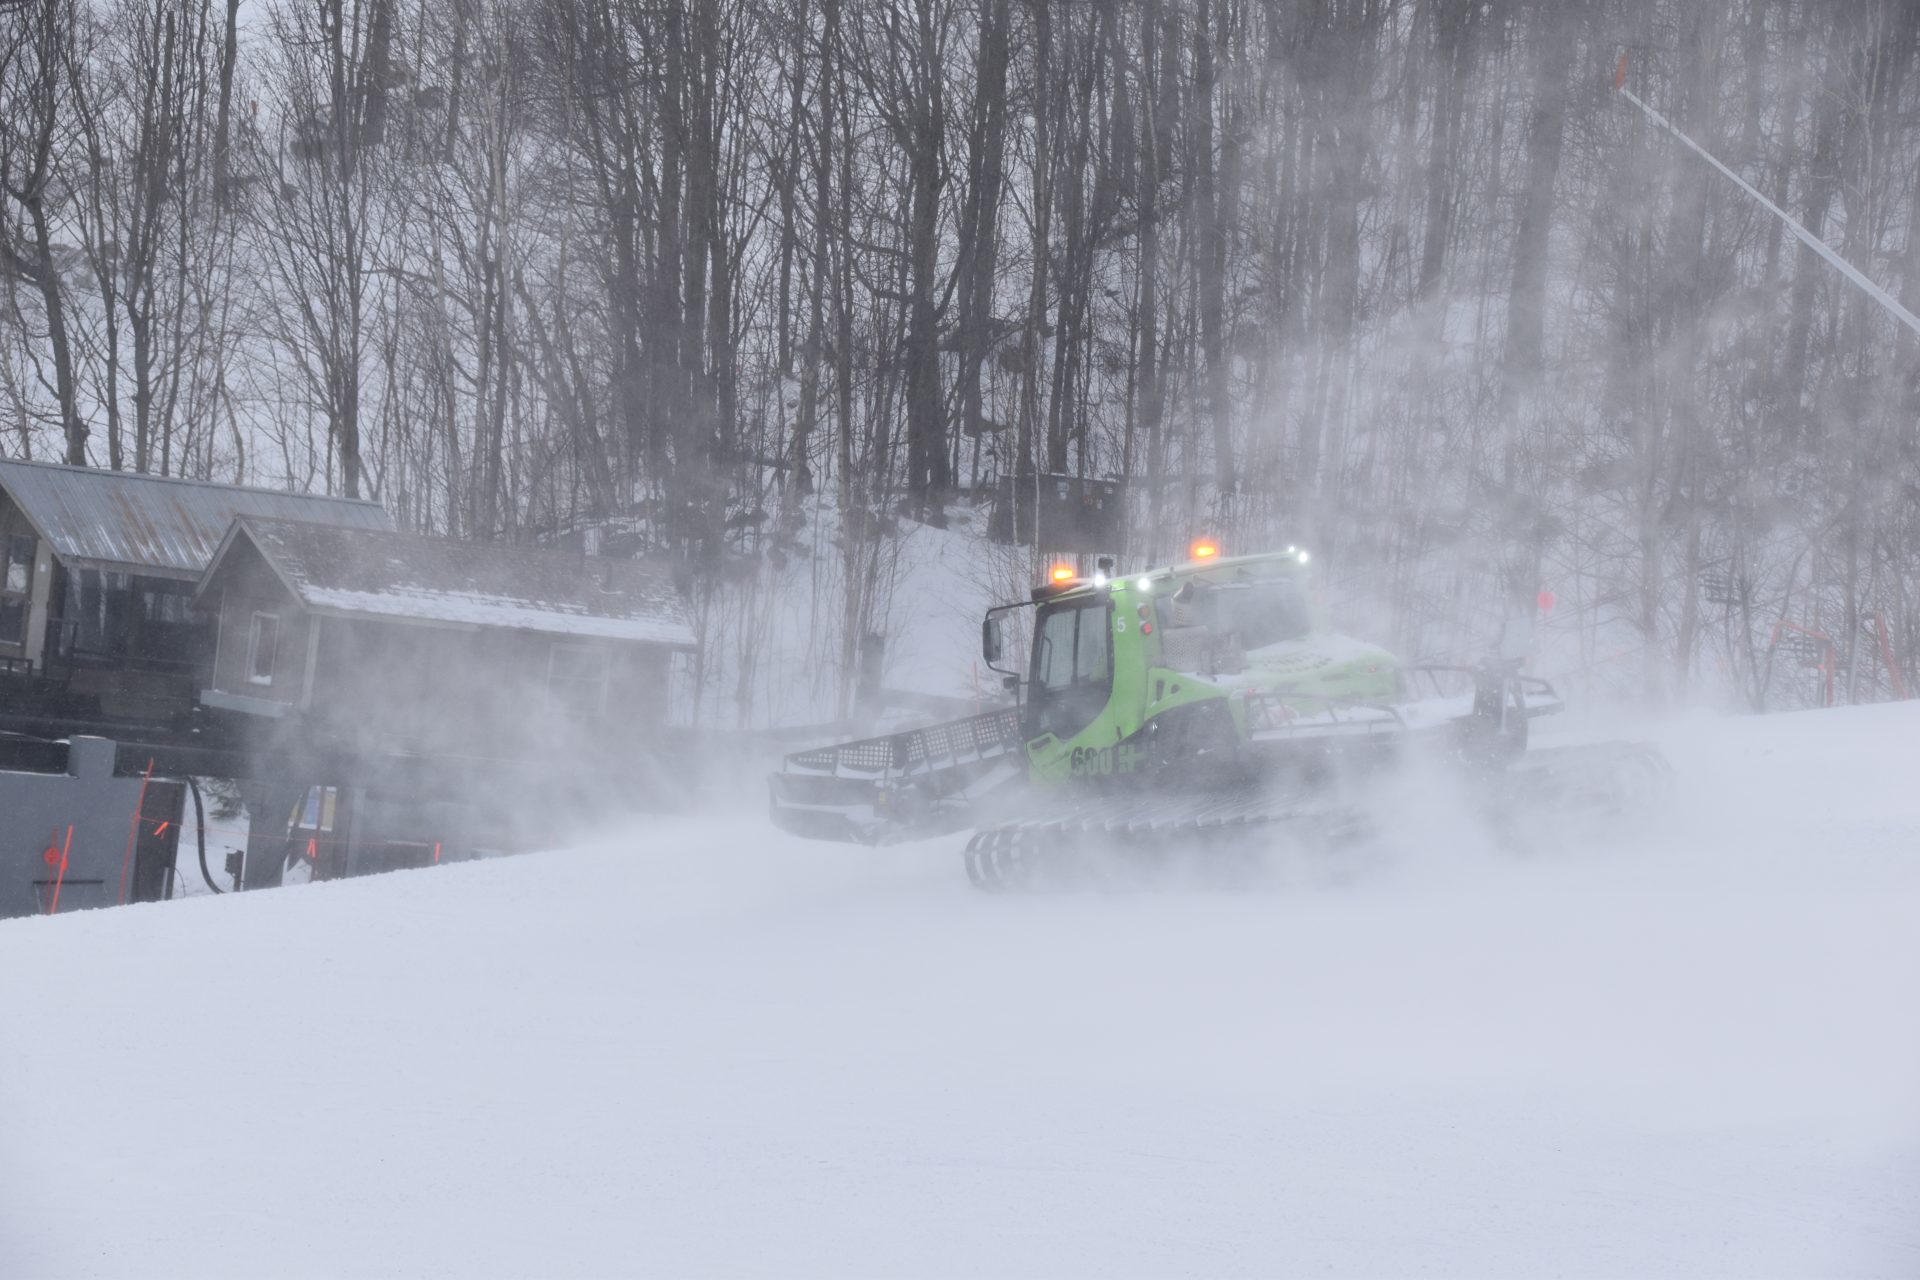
{"x":156,"y":525}
{"x":408,"y":577}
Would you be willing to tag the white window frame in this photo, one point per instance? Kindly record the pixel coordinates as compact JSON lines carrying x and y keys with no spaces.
{"x":597,"y":706}
{"x":253,"y":648}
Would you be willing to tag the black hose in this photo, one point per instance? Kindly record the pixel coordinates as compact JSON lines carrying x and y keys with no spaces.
{"x":200,"y":828}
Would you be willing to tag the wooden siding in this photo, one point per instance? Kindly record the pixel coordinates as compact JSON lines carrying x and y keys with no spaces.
{"x":480,"y":690}
{"x":248,"y":586}
{"x":432,"y":687}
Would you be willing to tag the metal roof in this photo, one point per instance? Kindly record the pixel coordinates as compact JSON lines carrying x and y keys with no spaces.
{"x":412,"y":578}
{"x":155,"y":525}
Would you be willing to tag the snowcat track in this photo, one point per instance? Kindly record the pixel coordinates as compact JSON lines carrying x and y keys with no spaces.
{"x":1215,"y":836}
{"x":1609,"y":777}
{"x":1228,"y":834}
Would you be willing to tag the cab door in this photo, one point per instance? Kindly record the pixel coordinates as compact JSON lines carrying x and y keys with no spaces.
{"x":1070,"y":685}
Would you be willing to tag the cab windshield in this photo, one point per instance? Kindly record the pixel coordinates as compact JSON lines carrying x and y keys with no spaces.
{"x":1072,"y":667}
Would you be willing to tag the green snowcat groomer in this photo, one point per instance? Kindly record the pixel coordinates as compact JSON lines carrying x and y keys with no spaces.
{"x":1181,"y":710}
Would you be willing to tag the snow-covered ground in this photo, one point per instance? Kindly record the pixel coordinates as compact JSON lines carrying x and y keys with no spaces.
{"x":700,"y":1047}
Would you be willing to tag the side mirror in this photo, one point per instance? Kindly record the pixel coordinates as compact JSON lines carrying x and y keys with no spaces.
{"x":991,"y":644}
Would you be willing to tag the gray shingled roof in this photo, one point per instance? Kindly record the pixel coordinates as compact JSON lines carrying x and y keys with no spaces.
{"x":163,"y":527}
{"x":407,"y":577}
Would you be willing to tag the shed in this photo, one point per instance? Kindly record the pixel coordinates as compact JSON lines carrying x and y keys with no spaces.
{"x":436,"y":643}
{"x":97,"y":572}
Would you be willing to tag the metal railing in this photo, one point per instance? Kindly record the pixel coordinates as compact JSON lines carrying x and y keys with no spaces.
{"x":916,"y":750}
{"x":65,"y":652}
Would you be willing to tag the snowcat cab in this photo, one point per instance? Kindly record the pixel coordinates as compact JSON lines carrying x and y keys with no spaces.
{"x":1202,"y":654}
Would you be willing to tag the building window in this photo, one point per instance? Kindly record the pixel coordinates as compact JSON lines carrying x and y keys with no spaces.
{"x":16,"y":587}
{"x":262,"y":645}
{"x":316,"y":810}
{"x":577,"y":680}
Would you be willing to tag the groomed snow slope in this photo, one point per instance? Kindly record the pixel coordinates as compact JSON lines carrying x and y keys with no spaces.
{"x":702,"y":1048}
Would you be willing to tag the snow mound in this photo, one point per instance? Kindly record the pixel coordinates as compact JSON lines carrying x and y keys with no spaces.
{"x":700,"y":1047}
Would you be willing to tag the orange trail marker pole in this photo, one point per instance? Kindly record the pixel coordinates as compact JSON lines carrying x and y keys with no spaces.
{"x":1886,"y":655}
{"x":60,"y":877}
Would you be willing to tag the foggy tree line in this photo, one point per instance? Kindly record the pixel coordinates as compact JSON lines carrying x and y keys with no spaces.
{"x":763,"y":283}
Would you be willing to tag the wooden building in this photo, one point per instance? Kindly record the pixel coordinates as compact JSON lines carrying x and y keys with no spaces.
{"x":385,"y":640}
{"x":97,"y":575}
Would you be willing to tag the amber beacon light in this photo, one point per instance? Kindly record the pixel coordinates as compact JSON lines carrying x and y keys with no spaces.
{"x":1061,"y":573}
{"x":1204,"y":549}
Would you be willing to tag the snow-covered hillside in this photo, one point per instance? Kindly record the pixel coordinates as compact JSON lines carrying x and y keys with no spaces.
{"x":705,"y":1048}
